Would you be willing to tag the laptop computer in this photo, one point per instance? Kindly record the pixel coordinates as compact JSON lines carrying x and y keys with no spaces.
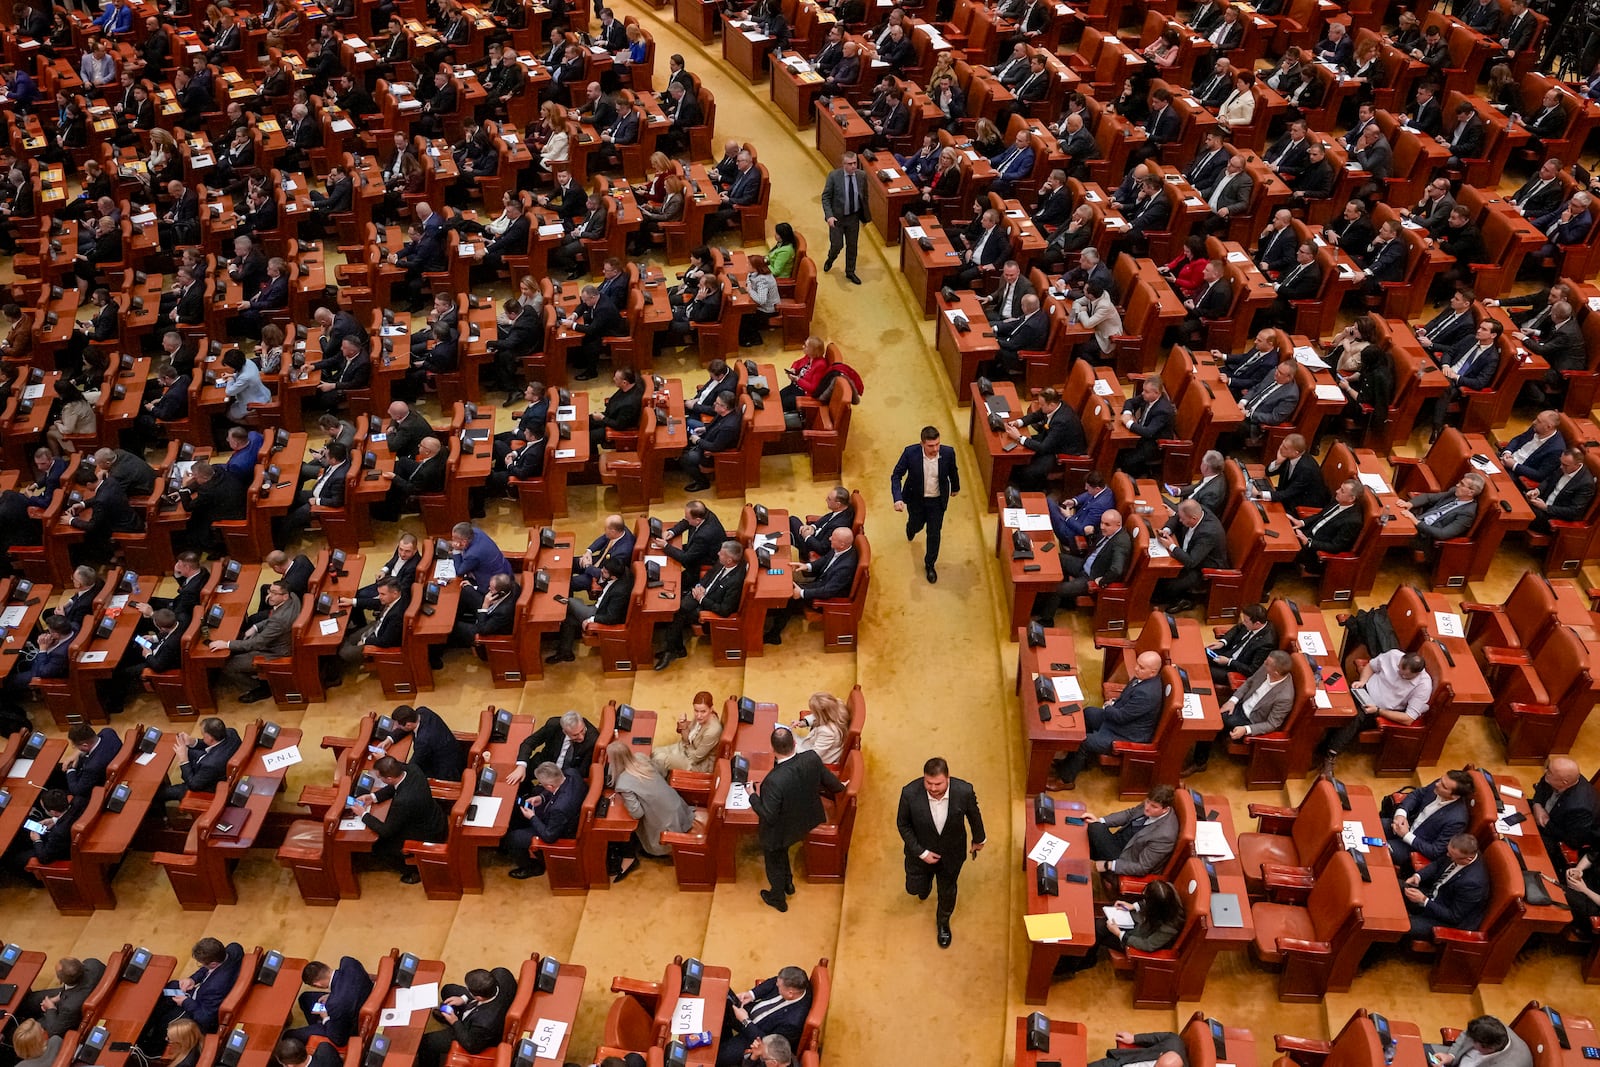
{"x":1225,"y":910}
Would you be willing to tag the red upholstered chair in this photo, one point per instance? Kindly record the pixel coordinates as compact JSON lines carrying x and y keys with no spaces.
{"x":1291,"y":837}
{"x":1309,"y":944}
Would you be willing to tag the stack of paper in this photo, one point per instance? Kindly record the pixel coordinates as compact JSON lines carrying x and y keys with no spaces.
{"x":1210,"y":841}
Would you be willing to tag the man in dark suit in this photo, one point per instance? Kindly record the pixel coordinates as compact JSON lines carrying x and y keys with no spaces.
{"x":1132,"y":716}
{"x":474,"y":1015}
{"x":623,"y":408}
{"x":1334,"y":529}
{"x":1271,"y":401}
{"x":1242,"y":371}
{"x":1057,"y":431}
{"x":811,"y":539}
{"x":1150,"y":415}
{"x":1158,"y":1049}
{"x":1565,"y":494}
{"x":827,"y":578}
{"x":722,"y":434}
{"x":434,"y":748}
{"x":1107,"y":561}
{"x":933,"y":817}
{"x":702,"y":536}
{"x":159,"y":650}
{"x":1244,"y":647}
{"x":332,"y":1003}
{"x":1299,"y":478}
{"x":777,"y":1006}
{"x":59,"y":1007}
{"x":788,"y":806}
{"x":1448,"y":514}
{"x":1470,"y":364}
{"x":1301,"y":280}
{"x":1535,"y":452}
{"x":567,"y":740}
{"x":496,"y":615}
{"x":597,"y":319}
{"x":1452,"y":891}
{"x":1541,"y":193}
{"x":718,"y":593}
{"x":200,"y":995}
{"x":1564,"y":808}
{"x":202,"y":761}
{"x":610,"y":608}
{"x":1425,"y":821}
{"x":94,"y":753}
{"x":406,"y":430}
{"x":1196,"y":539}
{"x":413,"y":813}
{"x":548,"y":814}
{"x":1212,"y":488}
{"x":1561,"y":344}
{"x":54,"y":646}
{"x":922,"y":483}
{"x":1026,"y":331}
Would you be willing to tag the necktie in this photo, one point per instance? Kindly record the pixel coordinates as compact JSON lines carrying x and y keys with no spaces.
{"x":1088,"y":564}
{"x":1255,"y":404}
{"x":1465,"y":364}
{"x":849,"y":195}
{"x":1445,"y":325}
{"x":1327,"y":518}
{"x":1291,"y":276}
{"x":1200,"y":167}
{"x":1533,"y":190}
{"x":1441,"y":511}
{"x":1449,"y":873}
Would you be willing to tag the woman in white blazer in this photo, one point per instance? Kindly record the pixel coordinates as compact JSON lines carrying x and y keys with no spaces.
{"x":1240,"y":107}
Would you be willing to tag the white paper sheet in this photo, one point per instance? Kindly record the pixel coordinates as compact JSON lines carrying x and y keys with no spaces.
{"x":1050,"y":849}
{"x":423,"y":996}
{"x":20,"y":768}
{"x":394,"y":1017}
{"x":444,"y":570}
{"x":552,"y":230}
{"x":1351,"y":835}
{"x":1329,"y":392}
{"x":13,"y":616}
{"x":1509,"y":790}
{"x":916,"y":233}
{"x":567,"y":414}
{"x":1192,"y":708}
{"x":277,"y":761}
{"x":1307,"y":356}
{"x":32,"y":392}
{"x":1321,"y":699}
{"x":1116,"y":916}
{"x":1158,"y":550}
{"x":1102,"y":387}
{"x":547,"y":1037}
{"x":97,"y":656}
{"x":660,"y":561}
{"x":1502,"y":827}
{"x":1311,"y":643}
{"x":1012,"y":517}
{"x":1210,"y":841}
{"x":1067,"y":688}
{"x":1037,"y":523}
{"x":352,"y":824}
{"x":689,"y":1016}
{"x":1448,"y":624}
{"x":146,"y":759}
{"x":328,"y":627}
{"x":487,"y":809}
{"x":738,"y":797}
{"x":1375,"y":482}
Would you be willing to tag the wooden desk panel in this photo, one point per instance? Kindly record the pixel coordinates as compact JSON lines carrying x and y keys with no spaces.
{"x":1043,"y":741}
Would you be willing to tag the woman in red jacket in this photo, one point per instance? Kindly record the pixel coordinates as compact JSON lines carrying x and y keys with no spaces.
{"x":1186,"y":273}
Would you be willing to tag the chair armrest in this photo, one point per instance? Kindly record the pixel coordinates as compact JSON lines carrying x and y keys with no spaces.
{"x":1460,"y":937}
{"x":425,"y":848}
{"x":1472,"y":607}
{"x":690,"y":781}
{"x":1302,"y":1046}
{"x":1449,"y":1034}
{"x":1547,"y":710}
{"x":444,"y":789}
{"x":1283,"y":876}
{"x":637,"y":987}
{"x":1131,"y":747}
{"x":330,"y":741}
{"x":1506,"y":657}
{"x":1275,"y":812}
{"x":1112,"y":642}
{"x":1222,"y":573}
{"x":1304,"y":947}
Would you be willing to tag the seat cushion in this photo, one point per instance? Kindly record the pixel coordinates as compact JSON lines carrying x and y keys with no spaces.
{"x":1279,"y":920}
{"x":1257,"y":849}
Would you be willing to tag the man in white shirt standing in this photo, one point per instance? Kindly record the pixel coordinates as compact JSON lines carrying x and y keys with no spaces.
{"x":922,"y":483}
{"x":929,"y":819}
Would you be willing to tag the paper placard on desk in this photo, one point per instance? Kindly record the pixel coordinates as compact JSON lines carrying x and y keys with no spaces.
{"x":547,"y":1037}
{"x":1329,"y":392}
{"x":33,"y":392}
{"x":467,"y":249}
{"x":1113,"y":222}
{"x":1116,"y":916}
{"x":1448,"y":624}
{"x":1192,"y":708}
{"x":484,"y":810}
{"x":422,"y":997}
{"x":553,"y":230}
{"x":689,"y":1015}
{"x":765,"y":541}
{"x":567,"y":414}
{"x":1307,"y":356}
{"x":1067,"y":688}
{"x":916,"y":233}
{"x":13,"y":616}
{"x":202,"y":160}
{"x":1015,"y":214}
{"x":1594,"y":303}
{"x":1321,"y":699}
{"x":1211,"y":841}
{"x":1012,"y":517}
{"x":97,"y":656}
{"x":660,"y":561}
{"x":1049,"y":927}
{"x":1036,"y":523}
{"x":1238,"y":257}
{"x":146,"y":759}
{"x":566,"y":453}
{"x":1193,"y":201}
{"x":954,"y":313}
{"x":444,"y":570}
{"x":352,"y":824}
{"x":1158,"y":550}
{"x":1050,"y":849}
{"x":328,"y":627}
{"x":21,"y":768}
{"x":738,"y":797}
{"x":1351,"y":833}
{"x":1374,"y":482}
{"x":1311,"y":643}
{"x":1509,"y":790}
{"x":890,"y":173}
{"x":277,"y":761}
{"x":144,"y":217}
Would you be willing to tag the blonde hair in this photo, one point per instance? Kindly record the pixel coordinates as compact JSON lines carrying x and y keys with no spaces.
{"x":183,"y":1036}
{"x":554,"y":114}
{"x":30,"y":1040}
{"x":828,"y":710}
{"x":622,"y":758}
{"x":660,"y":161}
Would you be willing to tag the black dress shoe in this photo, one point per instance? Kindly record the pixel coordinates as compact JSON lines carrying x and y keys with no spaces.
{"x":585,"y":376}
{"x":774,"y":900}
{"x":850,"y":276}
{"x":625,"y":871}
{"x":697,"y":486}
{"x":664,"y":660}
{"x":255,"y":694}
{"x":827,"y":265}
{"x":944,"y":935}
{"x":933,"y":575}
{"x":772,"y":638}
{"x":561,"y":657}
{"x":411,"y":877}
{"x":790,"y":889}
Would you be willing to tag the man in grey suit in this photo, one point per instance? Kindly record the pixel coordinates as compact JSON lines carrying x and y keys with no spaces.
{"x":1490,"y":1043}
{"x":1160,"y":1048}
{"x":844,"y":205}
{"x":59,"y":1008}
{"x":1135,"y":841}
{"x":1212,"y":488}
{"x":1260,"y":706}
{"x":1230,"y":196}
{"x":1441,"y":516}
{"x":1106,"y":562}
{"x":1271,"y":400}
{"x":272,"y":638}
{"x":1194,"y":538}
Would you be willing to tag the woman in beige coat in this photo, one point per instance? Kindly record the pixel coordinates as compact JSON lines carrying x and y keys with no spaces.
{"x":699,"y":736}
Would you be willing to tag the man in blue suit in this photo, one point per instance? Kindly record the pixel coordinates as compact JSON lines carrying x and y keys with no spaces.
{"x":95,"y":751}
{"x":548,"y":814}
{"x":49,"y":662}
{"x":922,"y":483}
{"x":202,"y":761}
{"x":1471,"y":364}
{"x":720,"y":435}
{"x":1428,"y":818}
{"x":828,"y":577}
{"x":200,"y":995}
{"x":778,"y":1005}
{"x":434,"y":748}
{"x":1535,"y":453}
{"x":1132,"y":716}
{"x":615,"y":540}
{"x":1014,"y":164}
{"x":332,"y":1004}
{"x":1451,"y":891}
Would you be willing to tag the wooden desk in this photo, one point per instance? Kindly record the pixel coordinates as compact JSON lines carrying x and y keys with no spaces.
{"x":1069,"y":1042}
{"x":795,"y":87}
{"x":962,"y":352}
{"x":995,"y":460}
{"x":22,"y":619}
{"x":890,"y":193}
{"x":24,"y":972}
{"x":1075,"y":901}
{"x":840,"y":129}
{"x":404,"y":1040}
{"x":110,"y":835}
{"x":472,"y":840}
{"x":130,"y":1004}
{"x":559,"y":1005}
{"x":1022,"y":583}
{"x":1042,"y":741}
{"x":24,"y":781}
{"x":746,"y":48}
{"x":264,"y":1010}
{"x":927,"y":270}
{"x":698,"y":18}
